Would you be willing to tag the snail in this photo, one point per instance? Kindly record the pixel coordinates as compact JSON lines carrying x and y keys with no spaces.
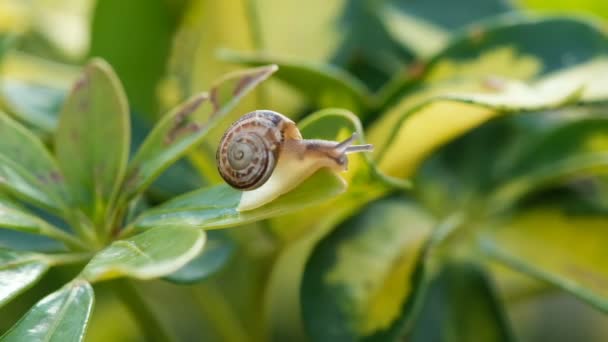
{"x":264,"y":155}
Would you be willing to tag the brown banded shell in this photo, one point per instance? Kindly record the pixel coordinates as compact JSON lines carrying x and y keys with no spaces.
{"x":249,"y":149}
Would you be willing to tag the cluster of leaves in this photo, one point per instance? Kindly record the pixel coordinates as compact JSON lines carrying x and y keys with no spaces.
{"x":489,"y":128}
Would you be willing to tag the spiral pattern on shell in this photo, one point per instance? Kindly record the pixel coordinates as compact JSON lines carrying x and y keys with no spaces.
{"x":249,"y":149}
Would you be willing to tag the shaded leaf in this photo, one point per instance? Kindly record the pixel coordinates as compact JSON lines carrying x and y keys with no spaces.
{"x":12,"y":216}
{"x":324,"y":85}
{"x":15,"y":217}
{"x":216,"y":207}
{"x":424,"y":26}
{"x":339,"y":301}
{"x":367,"y":49}
{"x":452,"y":16}
{"x":18,"y":272}
{"x":151,"y":254}
{"x":586,"y":135}
{"x":145,"y":28}
{"x":187,"y":125}
{"x":460,"y":305}
{"x":93,"y":138}
{"x":218,"y":250}
{"x":562,"y":247}
{"x":61,"y":316}
{"x":27,"y":169}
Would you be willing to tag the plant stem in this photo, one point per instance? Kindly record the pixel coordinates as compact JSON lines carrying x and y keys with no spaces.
{"x":148,"y":323}
{"x":67,"y":258}
{"x":255,"y":26}
{"x":215,"y":308}
{"x":68,"y":239}
{"x":77,"y":220}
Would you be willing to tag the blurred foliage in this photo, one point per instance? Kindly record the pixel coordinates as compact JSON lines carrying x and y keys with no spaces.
{"x":480,"y":215}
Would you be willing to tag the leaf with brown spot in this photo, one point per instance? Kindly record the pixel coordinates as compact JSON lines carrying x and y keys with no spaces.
{"x":188,"y":124}
{"x":27,"y":169}
{"x":93,"y":138}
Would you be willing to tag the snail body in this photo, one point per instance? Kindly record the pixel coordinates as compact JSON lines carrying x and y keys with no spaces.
{"x":264,"y":154}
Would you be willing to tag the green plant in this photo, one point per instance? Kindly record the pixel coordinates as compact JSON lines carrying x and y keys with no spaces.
{"x":489,"y":127}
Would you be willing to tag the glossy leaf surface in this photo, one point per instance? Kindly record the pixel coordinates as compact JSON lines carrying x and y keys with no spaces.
{"x":151,"y":254}
{"x":218,"y":250}
{"x":61,"y":316}
{"x":216,"y":207}
{"x":18,"y":272}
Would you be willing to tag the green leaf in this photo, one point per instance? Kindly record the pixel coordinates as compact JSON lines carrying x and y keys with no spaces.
{"x":367,"y":49}
{"x":569,"y":150}
{"x":93,"y":138}
{"x":341,"y":303}
{"x":560,"y":246}
{"x":461,"y":305}
{"x":216,"y":207}
{"x":324,"y":85}
{"x":364,"y":180}
{"x":425,"y":26}
{"x":36,"y":104}
{"x":187,"y":125}
{"x":61,"y":316}
{"x":451,"y":16}
{"x":462,"y":111}
{"x":146,"y":29}
{"x":13,"y":216}
{"x":593,"y":7}
{"x":27,"y":168}
{"x":512,"y":47}
{"x":6,"y":42}
{"x":151,"y":254}
{"x":18,"y":272}
{"x":218,"y":250}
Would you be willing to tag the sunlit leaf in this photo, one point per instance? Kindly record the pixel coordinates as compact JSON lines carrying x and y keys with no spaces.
{"x":529,"y":41}
{"x":460,"y":112}
{"x":340,"y":302}
{"x":562,"y":247}
{"x":592,"y":7}
{"x":27,"y":169}
{"x":323,"y":85}
{"x":151,"y":254}
{"x":216,"y":207}
{"x":218,"y":250}
{"x":461,"y":305}
{"x":18,"y":272}
{"x":93,"y":138}
{"x":61,"y":316}
{"x":187,"y":125}
{"x":365,"y":181}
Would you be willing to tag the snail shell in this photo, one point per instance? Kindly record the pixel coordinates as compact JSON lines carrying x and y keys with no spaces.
{"x":263,"y":153}
{"x":249,"y":150}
